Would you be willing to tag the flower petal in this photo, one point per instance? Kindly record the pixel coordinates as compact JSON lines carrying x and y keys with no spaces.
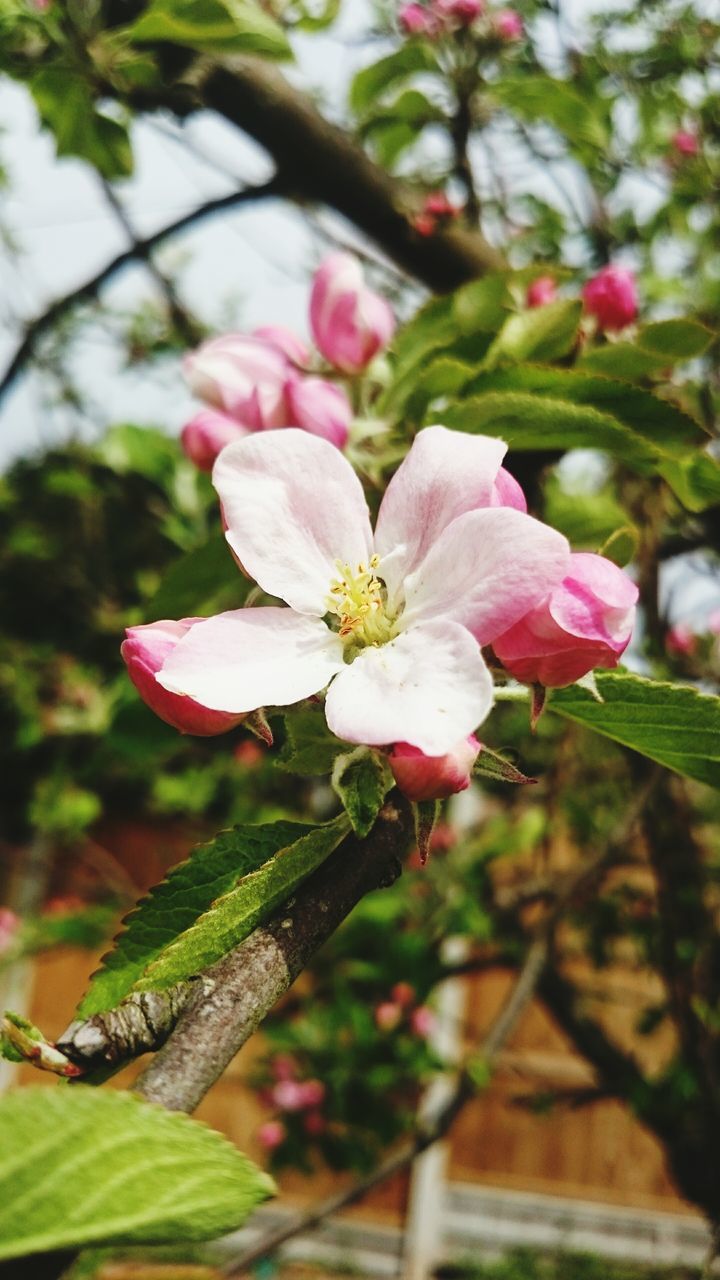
{"x":251,"y":658}
{"x":428,"y":687}
{"x":445,"y":474}
{"x":485,"y":571}
{"x":293,"y":506}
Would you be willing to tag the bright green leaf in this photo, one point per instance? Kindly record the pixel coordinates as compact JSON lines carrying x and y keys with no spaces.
{"x":412,"y":57}
{"x":362,"y":779}
{"x":174,"y":905}
{"x":675,"y":340}
{"x":227,"y":26}
{"x":310,"y":749}
{"x":542,"y":97}
{"x":64,"y":101}
{"x":233,"y":916}
{"x":540,"y":333}
{"x":203,"y":580}
{"x":674,"y":724}
{"x":80,"y":1166}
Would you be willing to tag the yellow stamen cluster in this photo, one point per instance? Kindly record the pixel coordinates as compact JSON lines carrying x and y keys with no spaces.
{"x":357,"y":597}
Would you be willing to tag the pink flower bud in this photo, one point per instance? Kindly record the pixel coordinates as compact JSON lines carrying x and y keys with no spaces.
{"x":313,"y":1093}
{"x":422,"y":777}
{"x":681,"y":639}
{"x":388,"y":1016}
{"x":611,"y":296}
{"x":249,"y":754}
{"x":314,"y":1124}
{"x":422,"y":1021}
{"x":439,"y":205}
{"x":349,"y":322}
{"x":287,"y":342}
{"x":403,"y":993}
{"x":460,"y":12}
{"x":272,"y":1134}
{"x":585,"y":623}
{"x":685,"y":143}
{"x":541,"y":291}
{"x":320,"y":407}
{"x":144,"y":652}
{"x":9,"y":926}
{"x":206,"y":434}
{"x":287,"y":1095}
{"x":506,"y":492}
{"x":416,"y":20}
{"x":242,"y":376}
{"x":509,"y":25}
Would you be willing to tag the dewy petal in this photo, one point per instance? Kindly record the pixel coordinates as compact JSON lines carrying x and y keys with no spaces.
{"x":429,"y":687}
{"x":445,"y":474}
{"x":486,"y":571}
{"x":293,"y":506}
{"x":250,"y":658}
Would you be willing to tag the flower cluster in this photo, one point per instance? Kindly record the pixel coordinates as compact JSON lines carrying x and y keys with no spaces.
{"x":402,"y":1010}
{"x":684,"y":641}
{"x":437,"y":211}
{"x":269,"y":378}
{"x":437,"y":18}
{"x":291,"y":1096}
{"x":389,"y":626}
{"x":610,"y":297}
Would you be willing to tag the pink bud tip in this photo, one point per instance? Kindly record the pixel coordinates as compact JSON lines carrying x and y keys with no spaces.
{"x":349,"y":322}
{"x":206,"y":434}
{"x":459,"y":12}
{"x":422,"y":777}
{"x":388,"y":1016}
{"x":422,"y":1021}
{"x":144,"y":652}
{"x":611,"y":297}
{"x":271,"y":1135}
{"x":403,"y":993}
{"x":681,"y":639}
{"x":320,"y":407}
{"x":313,"y":1093}
{"x":541,"y":291}
{"x":509,"y":25}
{"x":9,"y":926}
{"x":685,"y":143}
{"x":585,"y":623}
{"x":416,"y":20}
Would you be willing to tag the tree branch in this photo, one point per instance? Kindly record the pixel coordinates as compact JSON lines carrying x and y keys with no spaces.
{"x":321,"y":162}
{"x":138,"y":251}
{"x":237,"y":992}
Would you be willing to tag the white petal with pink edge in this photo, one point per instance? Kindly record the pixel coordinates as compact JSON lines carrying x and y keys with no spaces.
{"x":429,"y":687}
{"x":445,"y":474}
{"x":293,"y":506}
{"x":251,"y":658}
{"x":485,"y":571}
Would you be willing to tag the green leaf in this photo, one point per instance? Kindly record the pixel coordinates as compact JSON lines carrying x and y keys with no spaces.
{"x":675,"y":340}
{"x":482,"y":305}
{"x":66,"y":107}
{"x":412,"y":57}
{"x":398,"y":124}
{"x":674,"y":724}
{"x":362,"y":779}
{"x":232,"y":917}
{"x":621,"y":360}
{"x":490,"y":764}
{"x":310,"y":749}
{"x":179,"y":901}
{"x":226,"y":26}
{"x":82,"y":1167}
{"x":544,"y":98}
{"x":540,"y":333}
{"x":203,"y":580}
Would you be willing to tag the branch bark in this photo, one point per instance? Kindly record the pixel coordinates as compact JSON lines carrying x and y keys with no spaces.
{"x":237,"y":992}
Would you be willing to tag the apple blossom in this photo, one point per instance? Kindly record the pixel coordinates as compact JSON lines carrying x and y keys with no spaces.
{"x":422,"y":1022}
{"x":243,"y":376}
{"x":422,"y":777}
{"x":144,"y":651}
{"x":206,"y":434}
{"x":416,"y":20}
{"x":388,"y":1016}
{"x":313,"y":1093}
{"x":291,"y":346}
{"x":585,"y":622}
{"x":681,"y":639}
{"x":349,"y":322}
{"x":288,"y":1095}
{"x":320,"y":407}
{"x":541,"y":291}
{"x":392,"y":623}
{"x":509,"y":25}
{"x":685,"y":143}
{"x":272,"y":1134}
{"x":506,"y":492}
{"x":611,"y":297}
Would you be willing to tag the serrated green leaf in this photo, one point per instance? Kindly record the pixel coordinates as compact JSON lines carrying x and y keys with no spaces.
{"x":362,"y":779}
{"x":66,"y":107}
{"x":228,"y":26}
{"x":674,"y":724}
{"x":372,"y":81}
{"x":675,"y":339}
{"x":232,"y":917}
{"x":85,"y":1167}
{"x":540,"y":333}
{"x":541,"y":97}
{"x":174,"y":905}
{"x":620,"y":360}
{"x":310,"y":749}
{"x":482,"y":305}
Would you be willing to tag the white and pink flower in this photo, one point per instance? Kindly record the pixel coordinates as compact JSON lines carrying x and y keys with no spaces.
{"x":392,"y":624}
